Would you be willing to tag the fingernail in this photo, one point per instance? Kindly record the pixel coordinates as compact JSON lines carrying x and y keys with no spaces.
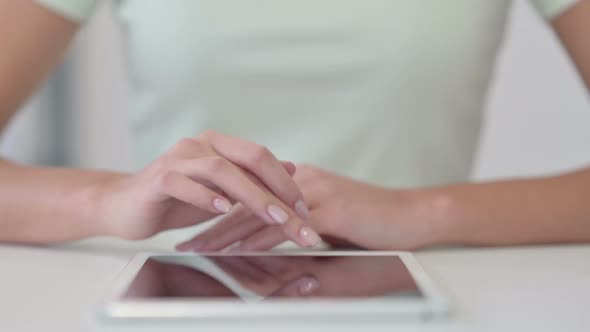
{"x":309,"y":236}
{"x":308,"y":285}
{"x":222,"y":205}
{"x":277,"y":214}
{"x":301,"y":209}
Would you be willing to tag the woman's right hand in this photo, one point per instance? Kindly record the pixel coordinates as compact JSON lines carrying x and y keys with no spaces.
{"x":200,"y":178}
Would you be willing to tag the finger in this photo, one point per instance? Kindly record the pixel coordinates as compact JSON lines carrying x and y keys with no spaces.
{"x":178,"y":186}
{"x":229,"y":178}
{"x":302,"y":286}
{"x":261,"y":162}
{"x":289,"y":167}
{"x":239,"y":224}
{"x":276,"y":266}
{"x":199,"y":241}
{"x":226,"y":232}
{"x":239,"y":268}
{"x":262,"y":240}
{"x":189,"y":148}
{"x":241,"y":230}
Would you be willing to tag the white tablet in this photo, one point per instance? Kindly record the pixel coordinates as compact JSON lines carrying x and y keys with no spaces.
{"x":273,"y":285}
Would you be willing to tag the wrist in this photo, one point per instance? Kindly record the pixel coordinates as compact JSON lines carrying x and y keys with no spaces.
{"x":439,"y":210}
{"x":99,"y":202}
{"x":432,"y":213}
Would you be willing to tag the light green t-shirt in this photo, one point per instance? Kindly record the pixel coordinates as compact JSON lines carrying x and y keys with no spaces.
{"x":389,"y":92}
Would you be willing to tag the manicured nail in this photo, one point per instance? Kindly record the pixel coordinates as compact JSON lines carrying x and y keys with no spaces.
{"x":301,"y":209}
{"x":222,"y":205}
{"x":309,"y":236}
{"x":277,"y":214}
{"x":308,"y":285}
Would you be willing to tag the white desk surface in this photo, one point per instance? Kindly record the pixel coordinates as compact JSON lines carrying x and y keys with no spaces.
{"x":538,"y":289}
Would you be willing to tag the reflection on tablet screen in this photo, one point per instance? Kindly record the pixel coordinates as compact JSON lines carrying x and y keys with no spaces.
{"x":169,"y":277}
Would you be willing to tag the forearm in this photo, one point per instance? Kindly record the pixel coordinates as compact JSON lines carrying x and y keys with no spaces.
{"x":542,"y":210}
{"x":48,"y":205}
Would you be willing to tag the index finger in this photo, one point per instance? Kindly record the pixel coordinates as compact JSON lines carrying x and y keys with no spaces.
{"x":261,"y":162}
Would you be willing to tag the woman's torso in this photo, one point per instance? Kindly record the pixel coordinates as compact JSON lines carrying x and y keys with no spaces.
{"x":389,"y":92}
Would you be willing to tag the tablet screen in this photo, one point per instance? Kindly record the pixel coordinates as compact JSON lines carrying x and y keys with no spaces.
{"x":246,"y":277}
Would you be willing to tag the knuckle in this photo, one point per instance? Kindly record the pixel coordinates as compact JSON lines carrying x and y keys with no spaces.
{"x":260,"y":154}
{"x":187,"y":141}
{"x":187,"y":146}
{"x":180,"y":145}
{"x":216,"y":164}
{"x":161,"y":165}
{"x":208,"y":134}
{"x":164,"y":180}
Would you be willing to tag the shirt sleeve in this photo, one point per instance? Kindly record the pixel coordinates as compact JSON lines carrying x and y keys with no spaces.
{"x":552,"y":8}
{"x":77,"y":10}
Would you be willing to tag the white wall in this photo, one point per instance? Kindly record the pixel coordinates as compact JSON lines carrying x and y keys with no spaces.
{"x":100,"y":91}
{"x":538,"y":110}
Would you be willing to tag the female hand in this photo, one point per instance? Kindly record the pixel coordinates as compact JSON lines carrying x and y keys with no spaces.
{"x":343,"y":211}
{"x":198,"y":179}
{"x":157,"y":279}
{"x":321,"y":276}
{"x":268,"y":276}
{"x":161,"y":279}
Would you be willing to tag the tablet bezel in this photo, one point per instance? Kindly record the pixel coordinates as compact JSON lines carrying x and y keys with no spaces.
{"x":433,"y":304}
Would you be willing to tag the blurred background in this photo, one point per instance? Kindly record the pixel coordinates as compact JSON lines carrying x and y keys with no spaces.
{"x":538,"y":111}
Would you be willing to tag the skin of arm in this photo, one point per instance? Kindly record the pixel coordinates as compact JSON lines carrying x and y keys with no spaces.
{"x":34,"y":201}
{"x":541,"y":210}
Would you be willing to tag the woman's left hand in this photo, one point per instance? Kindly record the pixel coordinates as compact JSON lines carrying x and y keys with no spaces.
{"x":344,"y":211}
